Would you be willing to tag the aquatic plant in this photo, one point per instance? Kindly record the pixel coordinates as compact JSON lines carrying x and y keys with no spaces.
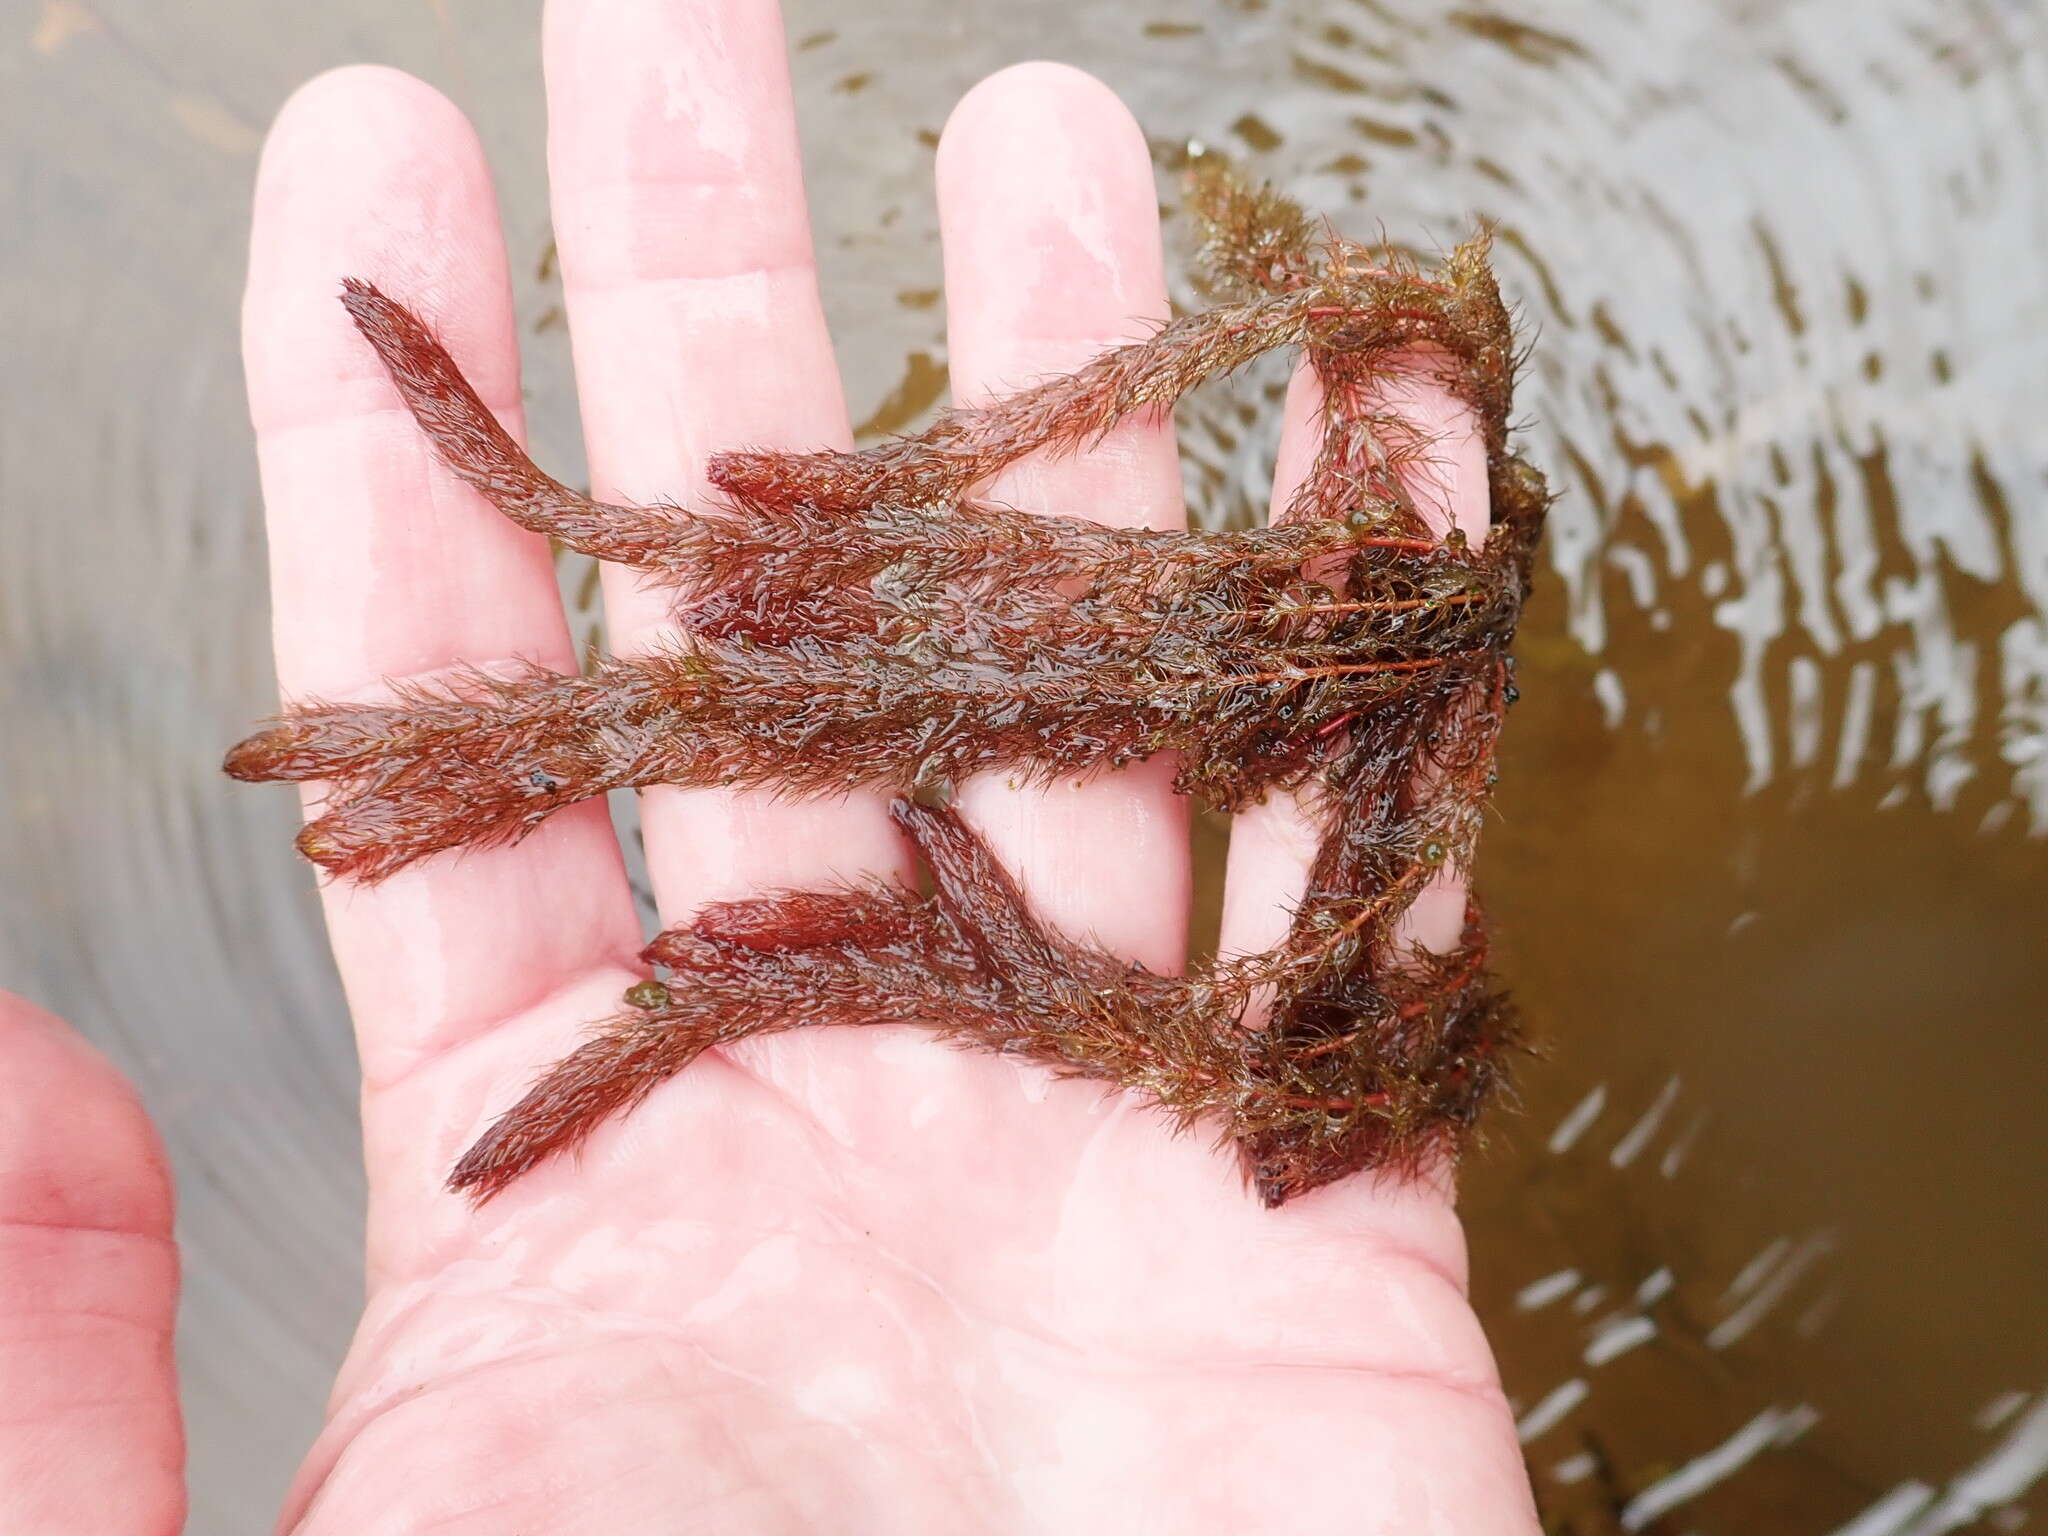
{"x":861,"y":618}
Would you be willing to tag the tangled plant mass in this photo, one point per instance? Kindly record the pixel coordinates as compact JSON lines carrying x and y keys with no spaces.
{"x":861,"y":618}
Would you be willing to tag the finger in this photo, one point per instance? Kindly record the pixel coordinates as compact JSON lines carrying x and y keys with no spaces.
{"x":88,"y":1294}
{"x":693,"y":306}
{"x":1273,"y":843}
{"x":384,"y":566}
{"x":1051,"y":230}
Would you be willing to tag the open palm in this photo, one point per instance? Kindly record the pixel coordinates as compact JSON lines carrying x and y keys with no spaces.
{"x":846,"y":1281}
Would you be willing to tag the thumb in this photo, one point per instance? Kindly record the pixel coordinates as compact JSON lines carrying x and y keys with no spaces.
{"x":90,"y":1438}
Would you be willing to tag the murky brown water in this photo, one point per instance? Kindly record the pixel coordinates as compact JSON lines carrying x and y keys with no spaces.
{"x":1762,"y":1253}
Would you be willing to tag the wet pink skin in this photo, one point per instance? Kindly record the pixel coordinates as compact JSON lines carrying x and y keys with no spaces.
{"x":846,"y":1281}
{"x":89,"y":1434}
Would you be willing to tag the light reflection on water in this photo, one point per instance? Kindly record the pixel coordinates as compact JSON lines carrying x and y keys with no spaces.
{"x":1767,"y":860}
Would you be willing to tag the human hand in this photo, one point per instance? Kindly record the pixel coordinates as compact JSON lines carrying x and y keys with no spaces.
{"x":90,"y":1443}
{"x":838,"y":1280}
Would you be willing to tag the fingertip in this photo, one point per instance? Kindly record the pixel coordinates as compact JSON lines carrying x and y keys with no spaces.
{"x":19,"y":1016}
{"x":341,"y":98}
{"x":369,"y":173}
{"x":88,"y":1292}
{"x":998,"y":113}
{"x":1050,"y":217}
{"x":77,"y":1149}
{"x":341,"y":137}
{"x":672,"y":145}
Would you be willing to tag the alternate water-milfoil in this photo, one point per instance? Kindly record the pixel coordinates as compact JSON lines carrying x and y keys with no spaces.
{"x":854,"y":619}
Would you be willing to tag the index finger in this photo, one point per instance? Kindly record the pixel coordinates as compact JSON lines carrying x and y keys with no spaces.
{"x":384,"y":566}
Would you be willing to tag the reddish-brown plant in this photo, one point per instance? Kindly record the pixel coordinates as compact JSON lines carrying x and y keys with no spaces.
{"x":861,"y":618}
